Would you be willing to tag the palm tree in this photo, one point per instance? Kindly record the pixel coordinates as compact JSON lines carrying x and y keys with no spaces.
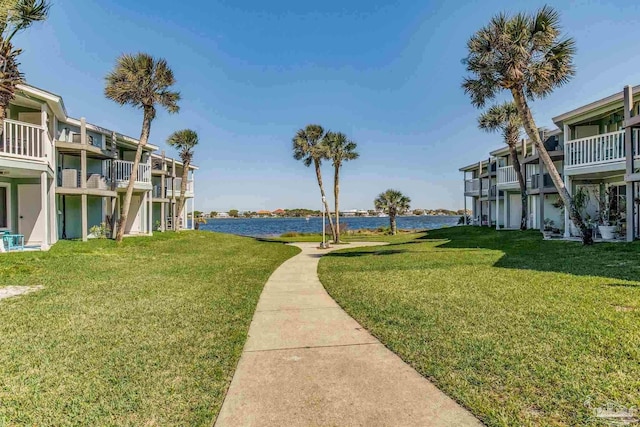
{"x":141,"y":81}
{"x":393,"y":203}
{"x":340,"y":150}
{"x":525,"y":55}
{"x":184,"y":141}
{"x":308,"y":147}
{"x":15,"y":16}
{"x":505,"y":118}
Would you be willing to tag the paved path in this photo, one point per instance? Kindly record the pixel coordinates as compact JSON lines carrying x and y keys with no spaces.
{"x":307,"y":363}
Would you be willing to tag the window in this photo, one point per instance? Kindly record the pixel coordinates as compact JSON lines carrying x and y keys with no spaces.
{"x":4,"y":207}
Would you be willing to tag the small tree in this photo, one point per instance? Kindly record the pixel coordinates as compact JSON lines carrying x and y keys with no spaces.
{"x":525,"y":55}
{"x":15,"y":16}
{"x":504,"y":118}
{"x":143,"y":82}
{"x":393,"y":203}
{"x":184,"y":141}
{"x":213,"y":214}
{"x":308,"y":147}
{"x":340,"y":149}
{"x":234,"y":213}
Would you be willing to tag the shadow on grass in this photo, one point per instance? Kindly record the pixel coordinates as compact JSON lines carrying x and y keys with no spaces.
{"x":378,"y":252}
{"x":527,"y":250}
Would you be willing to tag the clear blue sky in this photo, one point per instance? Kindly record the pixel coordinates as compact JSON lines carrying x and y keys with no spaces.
{"x":252,"y":72}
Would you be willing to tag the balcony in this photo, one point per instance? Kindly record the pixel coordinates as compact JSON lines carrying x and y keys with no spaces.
{"x":485,"y":187}
{"x":604,"y":151}
{"x":71,"y":178}
{"x":472,"y":187}
{"x":175,"y":189}
{"x":157,"y":193}
{"x":25,"y":141}
{"x":122,"y":170}
{"x":547,"y":182}
{"x":507,"y":176}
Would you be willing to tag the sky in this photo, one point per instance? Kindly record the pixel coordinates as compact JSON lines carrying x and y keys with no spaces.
{"x":251,"y":73}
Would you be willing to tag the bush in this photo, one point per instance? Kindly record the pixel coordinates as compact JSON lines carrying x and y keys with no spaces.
{"x":101,"y":231}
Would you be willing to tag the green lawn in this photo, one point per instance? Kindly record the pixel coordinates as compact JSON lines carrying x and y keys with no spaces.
{"x":519,"y":330}
{"x":144,"y":334}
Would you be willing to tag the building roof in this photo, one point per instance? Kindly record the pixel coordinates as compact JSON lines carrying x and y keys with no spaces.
{"x":170,"y":159}
{"x":56,"y":103}
{"x":604,"y":102}
{"x":473,"y":166}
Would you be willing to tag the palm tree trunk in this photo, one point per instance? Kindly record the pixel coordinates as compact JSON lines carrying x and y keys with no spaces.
{"x":183,"y":190}
{"x":3,"y":111}
{"x":521,"y":181}
{"x":326,"y":204}
{"x":336,"y":194}
{"x":392,"y":223}
{"x":532,"y":132}
{"x":144,"y":137}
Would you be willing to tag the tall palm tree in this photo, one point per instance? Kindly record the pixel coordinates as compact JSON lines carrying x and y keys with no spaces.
{"x":141,"y":81}
{"x":15,"y":16}
{"x":341,"y":149}
{"x":504,"y":118}
{"x":526,"y":55}
{"x":308,"y":147}
{"x":184,"y":141}
{"x":393,"y":203}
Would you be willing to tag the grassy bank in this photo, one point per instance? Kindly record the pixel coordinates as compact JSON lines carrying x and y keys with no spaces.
{"x":145,"y":334}
{"x":519,"y":330}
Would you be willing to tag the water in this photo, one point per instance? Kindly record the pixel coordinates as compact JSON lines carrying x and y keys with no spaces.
{"x":269,"y":227}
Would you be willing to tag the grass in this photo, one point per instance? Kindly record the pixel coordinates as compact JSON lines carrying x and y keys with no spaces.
{"x":148,"y":333}
{"x":519,"y":330}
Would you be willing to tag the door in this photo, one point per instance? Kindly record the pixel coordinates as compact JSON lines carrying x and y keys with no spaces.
{"x":134,"y":218}
{"x":515,"y":210}
{"x":31,"y":217}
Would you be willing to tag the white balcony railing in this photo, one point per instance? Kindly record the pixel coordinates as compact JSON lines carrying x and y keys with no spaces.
{"x":472,"y":186}
{"x":26,"y":141}
{"x":507,"y":175}
{"x":177,"y":188}
{"x":598,"y":149}
{"x":122,"y":171}
{"x":485,"y":187}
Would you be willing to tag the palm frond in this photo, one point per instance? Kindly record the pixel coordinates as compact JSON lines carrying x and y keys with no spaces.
{"x":339,"y":148}
{"x":22,"y":14}
{"x":523,"y":52}
{"x":307,"y":145}
{"x":184,"y":141}
{"x":142,"y":81}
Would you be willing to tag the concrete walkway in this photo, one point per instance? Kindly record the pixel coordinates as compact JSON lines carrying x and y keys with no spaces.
{"x":307,"y":363}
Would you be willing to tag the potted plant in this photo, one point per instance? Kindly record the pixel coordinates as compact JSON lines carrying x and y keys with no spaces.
{"x":607,"y":212}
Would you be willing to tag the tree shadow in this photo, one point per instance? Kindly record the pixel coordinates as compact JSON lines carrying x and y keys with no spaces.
{"x":378,"y":252}
{"x":527,"y":250}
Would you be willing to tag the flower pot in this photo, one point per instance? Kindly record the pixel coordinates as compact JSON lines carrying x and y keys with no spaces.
{"x":607,"y":231}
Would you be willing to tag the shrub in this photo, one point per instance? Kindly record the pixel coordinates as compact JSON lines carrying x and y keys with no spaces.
{"x":101,"y":231}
